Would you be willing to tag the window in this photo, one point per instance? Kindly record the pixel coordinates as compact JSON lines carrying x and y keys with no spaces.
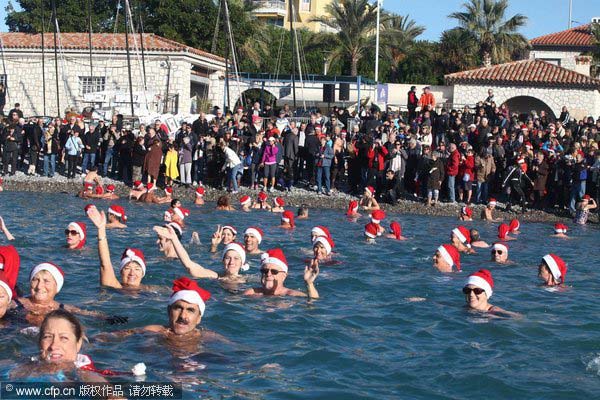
{"x":305,"y":5}
{"x":555,"y":61}
{"x":91,"y":84}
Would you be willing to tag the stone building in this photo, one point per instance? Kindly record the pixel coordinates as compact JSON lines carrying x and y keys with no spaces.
{"x":176,"y":75}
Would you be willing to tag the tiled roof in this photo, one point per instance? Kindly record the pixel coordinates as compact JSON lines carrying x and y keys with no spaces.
{"x":580,"y":36}
{"x":526,"y":72}
{"x":100,"y":41}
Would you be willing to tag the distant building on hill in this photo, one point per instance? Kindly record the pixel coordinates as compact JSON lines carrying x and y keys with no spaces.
{"x":277,"y":12}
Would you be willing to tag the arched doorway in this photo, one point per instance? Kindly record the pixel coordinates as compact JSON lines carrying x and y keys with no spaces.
{"x":523,"y":105}
{"x":251,"y":96}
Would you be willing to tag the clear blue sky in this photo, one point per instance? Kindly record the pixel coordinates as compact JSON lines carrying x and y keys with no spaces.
{"x":545,"y":16}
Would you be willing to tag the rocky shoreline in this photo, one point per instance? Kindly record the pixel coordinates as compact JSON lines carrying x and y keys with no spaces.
{"x":59,"y":184}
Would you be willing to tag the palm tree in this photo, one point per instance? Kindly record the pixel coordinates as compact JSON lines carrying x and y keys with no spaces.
{"x":458,"y":51}
{"x":355,"y":23}
{"x":595,"y":28}
{"x":399,"y":34}
{"x":486,"y":22}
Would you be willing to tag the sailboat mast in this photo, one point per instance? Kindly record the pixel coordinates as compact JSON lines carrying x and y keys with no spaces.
{"x":55,"y":23}
{"x":291,"y":17}
{"x":127,"y":21}
{"x":142,"y":47}
{"x":89,"y":9}
{"x":227,"y":33}
{"x":43,"y":58}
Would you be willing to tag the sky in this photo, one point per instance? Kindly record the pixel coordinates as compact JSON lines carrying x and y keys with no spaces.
{"x":544,"y":16}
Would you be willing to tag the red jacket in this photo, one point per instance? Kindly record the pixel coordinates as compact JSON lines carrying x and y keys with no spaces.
{"x":381,"y":153}
{"x":452,"y":164}
{"x":467,"y":167}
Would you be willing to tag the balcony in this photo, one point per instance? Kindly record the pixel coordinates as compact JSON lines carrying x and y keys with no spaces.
{"x":270,"y":8}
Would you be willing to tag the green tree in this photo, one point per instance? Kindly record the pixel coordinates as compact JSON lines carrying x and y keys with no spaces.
{"x":595,"y":71}
{"x":498,"y":37}
{"x":458,"y":51}
{"x":398,"y":36}
{"x":355,"y":23}
{"x":421,"y":64}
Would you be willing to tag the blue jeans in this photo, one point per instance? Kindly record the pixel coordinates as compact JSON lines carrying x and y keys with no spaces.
{"x":49,"y":164}
{"x":577,"y":191}
{"x":320,"y":172}
{"x":88,"y":158}
{"x":198,"y":175}
{"x":233,"y":173}
{"x":451,"y":189}
{"x":107,"y":159}
{"x":482,"y":192}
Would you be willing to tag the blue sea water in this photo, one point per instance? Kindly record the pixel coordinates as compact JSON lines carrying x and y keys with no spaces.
{"x":364,"y":339}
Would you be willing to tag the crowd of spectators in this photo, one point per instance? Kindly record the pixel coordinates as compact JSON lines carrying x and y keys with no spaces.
{"x":464,"y":155}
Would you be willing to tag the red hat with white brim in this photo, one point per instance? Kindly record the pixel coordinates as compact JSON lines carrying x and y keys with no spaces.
{"x":54,"y":270}
{"x":245,"y":200}
{"x":231,"y":228}
{"x":200,"y":191}
{"x":557,"y":266}
{"x":483,"y":280}
{"x":117,"y":211}
{"x":133,"y":255}
{"x":320,"y":231}
{"x":256,"y":232}
{"x":463,"y":235}
{"x":501,"y":247}
{"x":371,"y":230}
{"x":326,"y":242}
{"x":238,"y":248}
{"x":560,"y":228}
{"x":450,"y":254}
{"x":188,"y":290}
{"x":275,"y":257}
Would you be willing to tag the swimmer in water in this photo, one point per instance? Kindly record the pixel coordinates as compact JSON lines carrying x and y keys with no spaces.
{"x":500,"y":253}
{"x":110,"y":193}
{"x":136,"y":191}
{"x":478,"y":290}
{"x":503,"y":231}
{"x":199,"y":198}
{"x":377,"y":216}
{"x":1,"y":184}
{"x":261,"y":202}
{"x":552,"y":270}
{"x":476,"y":240}
{"x":466,"y":214}
{"x":253,"y":236}
{"x":278,"y":205}
{"x":371,"y":232}
{"x":560,"y":231}
{"x":245,"y":203}
{"x":352,"y":209}
{"x":176,"y":213}
{"x":322,"y":247}
{"x":75,"y":235}
{"x":317,"y":231}
{"x":446,"y":258}
{"x":224,"y":234}
{"x":6,"y":294}
{"x":10,"y":263}
{"x":287,"y":220}
{"x":514,"y":226}
{"x":5,"y":230}
{"x":395,"y":231}
{"x":274,"y":271}
{"x":302,"y":212}
{"x":116,"y":216}
{"x":583,"y":209}
{"x":368,"y":201}
{"x":150,"y":196}
{"x":92,"y":177}
{"x":461,"y":239}
{"x":223,"y":204}
{"x":488,"y":212}
{"x":87,"y":192}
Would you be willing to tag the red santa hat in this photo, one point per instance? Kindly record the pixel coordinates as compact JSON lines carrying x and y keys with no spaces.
{"x":468,"y":211}
{"x":492,"y":202}
{"x":279,"y":202}
{"x":501,"y":247}
{"x":245,"y":200}
{"x":450,"y":254}
{"x":560,"y":228}
{"x":133,"y":255}
{"x":176,"y":227}
{"x":371,"y":189}
{"x":396,"y":229}
{"x":352,"y":207}
{"x":320,"y":230}
{"x":262,"y":196}
{"x":6,"y":286}
{"x":81,"y":229}
{"x":238,"y":248}
{"x":514,"y":225}
{"x":326,"y":242}
{"x":10,"y":263}
{"x":200,"y":191}
{"x":276,"y":257}
{"x":483,"y":280}
{"x":181,"y":212}
{"x":110,"y":188}
{"x":88,"y":186}
{"x":118,"y":211}
{"x":150,"y":186}
{"x":138,"y":185}
{"x":503,"y":230}
{"x":463,"y":235}
{"x":256,"y":232}
{"x":371,"y":230}
{"x":231,"y":228}
{"x":288,"y":216}
{"x":99,"y":190}
{"x":377,"y":216}
{"x":54,"y":270}
{"x":557,"y":266}
{"x":585,"y":197}
{"x":169,"y":190}
{"x":188,"y":290}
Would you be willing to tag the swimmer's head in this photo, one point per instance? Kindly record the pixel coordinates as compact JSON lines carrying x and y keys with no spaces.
{"x":175,"y":203}
{"x":75,"y":235}
{"x":132,"y":267}
{"x":322,"y":247}
{"x":223,"y":201}
{"x":474,"y":235}
{"x":46,"y":280}
{"x":234,"y":259}
{"x":273,"y":269}
{"x":446,"y":258}
{"x":186,"y":305}
{"x":252,"y":238}
{"x":552,"y":270}
{"x":302,"y":211}
{"x":499,"y":252}
{"x":478,"y":289}
{"x":229,"y":233}
{"x":5,"y":294}
{"x":61,"y":337}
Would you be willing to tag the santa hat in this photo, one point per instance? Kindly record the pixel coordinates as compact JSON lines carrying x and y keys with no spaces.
{"x":188,"y":290}
{"x":6,"y":286}
{"x":110,"y":188}
{"x":371,"y":189}
{"x":463,"y":235}
{"x":560,"y":228}
{"x":396,"y":229}
{"x":557,"y":266}
{"x":169,"y":190}
{"x":231,"y":228}
{"x":585,"y":197}
{"x":256,"y":232}
{"x":371,"y":230}
{"x":503,"y":230}
{"x":279,"y":202}
{"x":176,"y":227}
{"x":483,"y":280}
{"x":274,"y":256}
{"x":238,"y":248}
{"x":262,"y":196}
{"x":514,"y":225}
{"x":88,"y":186}
{"x":150,"y":186}
{"x":200,"y":191}
{"x":377,"y":216}
{"x":467,"y":211}
{"x":117,"y":211}
{"x":320,"y":231}
{"x":1,"y":181}
{"x":352,"y":207}
{"x":181,"y":212}
{"x":245,"y":200}
{"x":501,"y":247}
{"x":288,"y":216}
{"x":10,"y":264}
{"x":520,"y":160}
{"x":492,"y":202}
{"x":450,"y":254}
{"x":54,"y":270}
{"x":81,"y":229}
{"x":99,"y":190}
{"x":138,"y":185}
{"x":133,"y":255}
{"x":326,"y":242}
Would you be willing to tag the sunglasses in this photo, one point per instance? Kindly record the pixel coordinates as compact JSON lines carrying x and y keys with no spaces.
{"x":265,"y":271}
{"x":468,"y":290}
{"x":71,"y":232}
{"x":497,"y":252}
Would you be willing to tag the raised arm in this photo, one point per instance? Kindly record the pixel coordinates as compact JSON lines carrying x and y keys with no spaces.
{"x":5,"y":230}
{"x":216,"y":239}
{"x":310,"y":274}
{"x":107,"y":273}
{"x":195,"y":270}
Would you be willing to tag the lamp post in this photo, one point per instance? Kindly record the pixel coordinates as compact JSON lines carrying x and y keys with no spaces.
{"x":379,"y":5}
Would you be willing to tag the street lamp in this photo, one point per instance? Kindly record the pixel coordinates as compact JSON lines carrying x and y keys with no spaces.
{"x":379,"y":5}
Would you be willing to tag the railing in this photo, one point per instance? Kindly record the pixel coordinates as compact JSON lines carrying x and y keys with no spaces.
{"x":269,"y":6}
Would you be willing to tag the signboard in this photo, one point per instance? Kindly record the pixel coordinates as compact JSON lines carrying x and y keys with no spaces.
{"x":382,"y":94}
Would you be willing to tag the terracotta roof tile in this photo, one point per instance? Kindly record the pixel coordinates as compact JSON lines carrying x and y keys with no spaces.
{"x":100,"y":41}
{"x":580,"y":36}
{"x":526,"y":72}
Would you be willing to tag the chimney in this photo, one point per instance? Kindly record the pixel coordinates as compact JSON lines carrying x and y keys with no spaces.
{"x":583,"y":65}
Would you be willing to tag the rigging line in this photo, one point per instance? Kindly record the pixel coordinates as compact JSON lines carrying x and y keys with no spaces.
{"x":279,"y":55}
{"x":213,"y":47}
{"x":299,"y":62}
{"x":112,"y":98}
{"x":62,"y":60}
{"x":4,"y":66}
{"x":233,"y":54}
{"x":135,"y":46}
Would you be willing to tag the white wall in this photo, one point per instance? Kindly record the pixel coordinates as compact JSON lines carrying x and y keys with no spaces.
{"x":398,"y":93}
{"x":567,"y":58}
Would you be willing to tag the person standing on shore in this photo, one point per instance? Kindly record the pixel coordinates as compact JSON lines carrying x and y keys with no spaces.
{"x":412,"y":103}
{"x":452,"y":166}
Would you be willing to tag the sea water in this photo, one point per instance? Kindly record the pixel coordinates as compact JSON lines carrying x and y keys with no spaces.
{"x":365,"y":337}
